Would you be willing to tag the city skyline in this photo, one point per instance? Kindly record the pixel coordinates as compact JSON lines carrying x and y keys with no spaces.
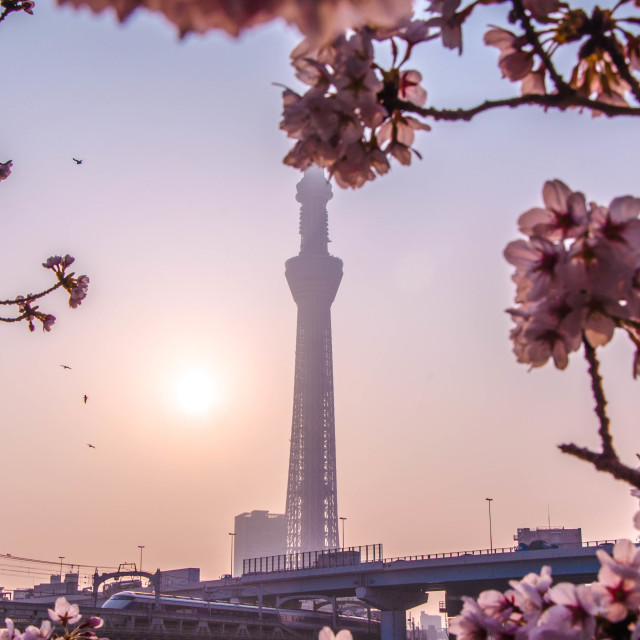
{"x":182,"y":216}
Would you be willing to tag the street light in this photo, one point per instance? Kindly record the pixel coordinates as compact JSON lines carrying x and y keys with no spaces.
{"x":61,"y":559}
{"x":141,"y":547}
{"x":233,"y":535}
{"x":343,"y":519}
{"x":489,"y":500}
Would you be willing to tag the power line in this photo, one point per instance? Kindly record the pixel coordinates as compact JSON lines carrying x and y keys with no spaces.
{"x":55,"y":563}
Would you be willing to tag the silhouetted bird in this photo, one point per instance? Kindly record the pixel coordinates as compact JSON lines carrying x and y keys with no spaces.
{"x":77,"y":161}
{"x":86,"y":397}
{"x":90,"y":446}
{"x":64,"y":366}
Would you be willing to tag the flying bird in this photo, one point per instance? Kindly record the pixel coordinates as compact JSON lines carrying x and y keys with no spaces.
{"x":77,"y":161}
{"x":64,"y":366}
{"x":86,"y":397}
{"x":90,"y":446}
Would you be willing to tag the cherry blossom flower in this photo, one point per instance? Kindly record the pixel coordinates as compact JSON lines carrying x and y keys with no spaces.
{"x":33,"y":633}
{"x":625,"y":561}
{"x":64,"y":612}
{"x":514,"y":62}
{"x":536,"y":262}
{"x":577,"y":276}
{"x":10,"y":633}
{"x":633,"y":52}
{"x":618,"y":223}
{"x":449,"y":21}
{"x":534,"y":83}
{"x":48,"y":322}
{"x":327,"y":634}
{"x":411,"y":31}
{"x":410,"y":88}
{"x":474,"y":623}
{"x":564,"y":215}
{"x":400,"y":129}
{"x":616,"y":596}
{"x":78,"y":291}
{"x":571,"y":616}
{"x":5,"y":169}
{"x":320,"y":19}
{"x":596,"y":77}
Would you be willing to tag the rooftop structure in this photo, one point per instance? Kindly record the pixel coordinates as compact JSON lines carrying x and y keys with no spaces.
{"x":257,"y":534}
{"x":556,"y":536}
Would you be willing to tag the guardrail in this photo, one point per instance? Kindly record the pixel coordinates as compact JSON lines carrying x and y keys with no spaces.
{"x":324,"y":559}
{"x":351,"y":556}
{"x":482,"y":552}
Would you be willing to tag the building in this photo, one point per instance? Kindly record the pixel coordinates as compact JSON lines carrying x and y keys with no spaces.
{"x":431,"y":627}
{"x":56,"y":587}
{"x":557,"y":536}
{"x":314,"y":277}
{"x":175,"y":578}
{"x":258,"y":534}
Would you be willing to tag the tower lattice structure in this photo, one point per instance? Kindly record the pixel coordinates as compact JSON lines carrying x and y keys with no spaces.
{"x":314,"y":277}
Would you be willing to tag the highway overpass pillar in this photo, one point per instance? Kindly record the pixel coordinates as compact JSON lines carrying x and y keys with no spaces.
{"x":393,"y":625}
{"x":393,"y":604}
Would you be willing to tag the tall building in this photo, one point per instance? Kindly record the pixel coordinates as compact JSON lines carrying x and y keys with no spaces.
{"x":314,"y":277}
{"x":257,"y":534}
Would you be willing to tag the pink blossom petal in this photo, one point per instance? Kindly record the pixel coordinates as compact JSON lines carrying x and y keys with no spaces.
{"x":555,"y":194}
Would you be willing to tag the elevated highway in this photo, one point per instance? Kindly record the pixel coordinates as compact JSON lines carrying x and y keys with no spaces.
{"x":397,"y":584}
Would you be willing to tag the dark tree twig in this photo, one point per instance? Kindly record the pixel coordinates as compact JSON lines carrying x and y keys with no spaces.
{"x":607,"y":460}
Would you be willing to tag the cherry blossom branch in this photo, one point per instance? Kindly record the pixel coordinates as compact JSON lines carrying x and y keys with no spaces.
{"x":608,"y":460}
{"x":32,"y":296}
{"x":22,"y":317}
{"x":554,"y":101}
{"x":10,"y":6}
{"x":532,"y":38}
{"x":612,"y":466}
{"x":601,"y":401}
{"x":76,"y":287}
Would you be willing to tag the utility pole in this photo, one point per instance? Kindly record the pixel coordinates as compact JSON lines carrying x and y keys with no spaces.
{"x":343,"y":518}
{"x":233,"y":535}
{"x":490,"y":500}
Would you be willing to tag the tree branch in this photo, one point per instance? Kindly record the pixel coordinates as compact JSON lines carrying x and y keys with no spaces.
{"x":607,"y":460}
{"x":532,"y":38}
{"x":549,"y":101}
{"x":32,"y":296}
{"x":601,"y":401}
{"x":22,"y":317}
{"x":613,"y":466}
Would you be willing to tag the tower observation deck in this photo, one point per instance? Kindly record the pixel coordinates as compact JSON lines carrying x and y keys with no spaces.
{"x":314,"y":277}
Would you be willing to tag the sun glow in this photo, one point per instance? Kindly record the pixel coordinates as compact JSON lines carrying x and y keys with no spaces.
{"x":196,"y":392}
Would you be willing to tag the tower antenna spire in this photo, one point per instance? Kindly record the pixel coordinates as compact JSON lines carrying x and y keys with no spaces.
{"x":314,"y":277}
{"x":314,"y":191}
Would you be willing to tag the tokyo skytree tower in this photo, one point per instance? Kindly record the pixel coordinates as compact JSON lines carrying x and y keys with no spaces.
{"x":314,"y":277}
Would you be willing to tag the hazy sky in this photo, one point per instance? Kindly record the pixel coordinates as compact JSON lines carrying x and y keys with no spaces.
{"x":183,"y":215}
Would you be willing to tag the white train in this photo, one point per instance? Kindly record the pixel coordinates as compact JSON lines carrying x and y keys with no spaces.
{"x":295,"y":619}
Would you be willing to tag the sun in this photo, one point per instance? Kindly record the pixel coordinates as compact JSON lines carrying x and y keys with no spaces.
{"x":196,"y":392}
